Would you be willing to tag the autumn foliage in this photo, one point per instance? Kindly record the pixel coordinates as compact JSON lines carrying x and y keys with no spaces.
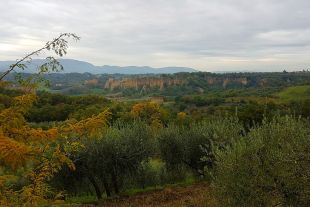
{"x":29,"y":156}
{"x":148,"y":111}
{"x":34,"y":155}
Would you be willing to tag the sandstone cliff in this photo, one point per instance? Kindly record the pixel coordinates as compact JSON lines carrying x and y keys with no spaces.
{"x":142,"y":82}
{"x":225,"y":81}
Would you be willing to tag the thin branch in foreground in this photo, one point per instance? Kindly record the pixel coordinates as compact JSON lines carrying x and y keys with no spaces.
{"x":58,"y":45}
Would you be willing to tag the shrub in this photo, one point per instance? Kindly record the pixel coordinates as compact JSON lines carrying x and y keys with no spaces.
{"x":105,"y":162}
{"x":186,"y":146}
{"x":268,"y":167}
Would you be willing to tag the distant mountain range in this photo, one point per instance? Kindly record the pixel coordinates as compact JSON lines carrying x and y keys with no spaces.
{"x":76,"y":66}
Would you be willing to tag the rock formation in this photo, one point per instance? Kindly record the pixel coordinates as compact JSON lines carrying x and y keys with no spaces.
{"x":142,"y":82}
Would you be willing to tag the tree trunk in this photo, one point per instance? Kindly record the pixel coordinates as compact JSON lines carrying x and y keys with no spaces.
{"x":106,"y":187}
{"x":96,"y":186}
{"x":114,"y":181}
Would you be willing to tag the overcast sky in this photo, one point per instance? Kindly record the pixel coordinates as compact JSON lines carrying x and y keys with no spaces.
{"x":212,"y":35}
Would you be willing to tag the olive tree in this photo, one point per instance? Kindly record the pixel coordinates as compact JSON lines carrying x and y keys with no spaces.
{"x":194,"y":146}
{"x":106,"y":161}
{"x":268,"y":167}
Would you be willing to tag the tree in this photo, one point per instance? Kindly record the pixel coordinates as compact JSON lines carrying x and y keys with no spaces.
{"x":29,"y":157}
{"x":105,"y":161}
{"x":149,"y":112}
{"x":194,"y":146}
{"x":268,"y":167}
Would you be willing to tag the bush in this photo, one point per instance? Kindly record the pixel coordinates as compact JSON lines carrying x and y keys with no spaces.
{"x":105,"y":163}
{"x":268,"y":167}
{"x":186,"y":146}
{"x":150,"y":173}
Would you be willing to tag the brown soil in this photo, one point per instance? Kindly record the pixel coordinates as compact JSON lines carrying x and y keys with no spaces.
{"x":189,"y":196}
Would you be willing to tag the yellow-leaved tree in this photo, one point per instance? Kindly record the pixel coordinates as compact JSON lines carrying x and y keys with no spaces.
{"x":149,"y":112}
{"x":29,"y":157}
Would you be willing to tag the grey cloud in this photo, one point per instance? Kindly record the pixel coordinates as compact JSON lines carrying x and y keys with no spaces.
{"x":194,"y":33}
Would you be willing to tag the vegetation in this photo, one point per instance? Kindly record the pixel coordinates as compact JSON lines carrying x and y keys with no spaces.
{"x":268,"y":167}
{"x":29,"y":156}
{"x":194,"y":146}
{"x":244,"y":143}
{"x":295,"y":93}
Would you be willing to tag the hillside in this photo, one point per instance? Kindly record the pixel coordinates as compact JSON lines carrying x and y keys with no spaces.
{"x":142,"y":136}
{"x":168,"y":84}
{"x":295,"y":93}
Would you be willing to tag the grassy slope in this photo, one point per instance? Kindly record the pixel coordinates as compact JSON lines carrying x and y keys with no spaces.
{"x":295,"y":93}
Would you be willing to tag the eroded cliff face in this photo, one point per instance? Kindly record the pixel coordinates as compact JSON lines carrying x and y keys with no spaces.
{"x":92,"y":82}
{"x":138,"y":83}
{"x":143,"y":82}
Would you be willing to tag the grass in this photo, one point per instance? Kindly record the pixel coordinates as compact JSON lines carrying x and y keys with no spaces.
{"x":294,"y":93}
{"x":135,"y":191}
{"x":97,"y":91}
{"x":81,"y":199}
{"x":177,"y":195}
{"x":187,"y":182}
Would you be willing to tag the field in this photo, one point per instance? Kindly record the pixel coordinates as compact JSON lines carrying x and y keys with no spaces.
{"x":295,"y":93}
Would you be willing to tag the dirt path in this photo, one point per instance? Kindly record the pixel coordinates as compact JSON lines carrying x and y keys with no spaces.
{"x":189,"y":196}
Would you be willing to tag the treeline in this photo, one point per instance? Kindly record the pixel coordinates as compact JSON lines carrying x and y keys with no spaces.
{"x":194,"y":83}
{"x":248,"y":109}
{"x":50,"y":107}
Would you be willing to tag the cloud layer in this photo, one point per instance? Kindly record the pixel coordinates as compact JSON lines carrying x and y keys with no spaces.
{"x":205,"y":34}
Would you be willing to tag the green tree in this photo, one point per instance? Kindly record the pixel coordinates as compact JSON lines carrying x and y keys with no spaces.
{"x":106,"y":161}
{"x":268,"y":167}
{"x":186,"y":146}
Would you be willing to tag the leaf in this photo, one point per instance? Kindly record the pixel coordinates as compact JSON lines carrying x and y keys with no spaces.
{"x":13,"y":153}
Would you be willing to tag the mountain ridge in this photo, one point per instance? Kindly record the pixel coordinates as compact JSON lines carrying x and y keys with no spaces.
{"x":78,"y":66}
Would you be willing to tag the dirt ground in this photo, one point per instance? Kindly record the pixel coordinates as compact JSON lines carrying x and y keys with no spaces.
{"x":189,"y":196}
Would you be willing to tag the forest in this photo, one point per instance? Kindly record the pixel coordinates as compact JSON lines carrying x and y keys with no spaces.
{"x":241,"y":139}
